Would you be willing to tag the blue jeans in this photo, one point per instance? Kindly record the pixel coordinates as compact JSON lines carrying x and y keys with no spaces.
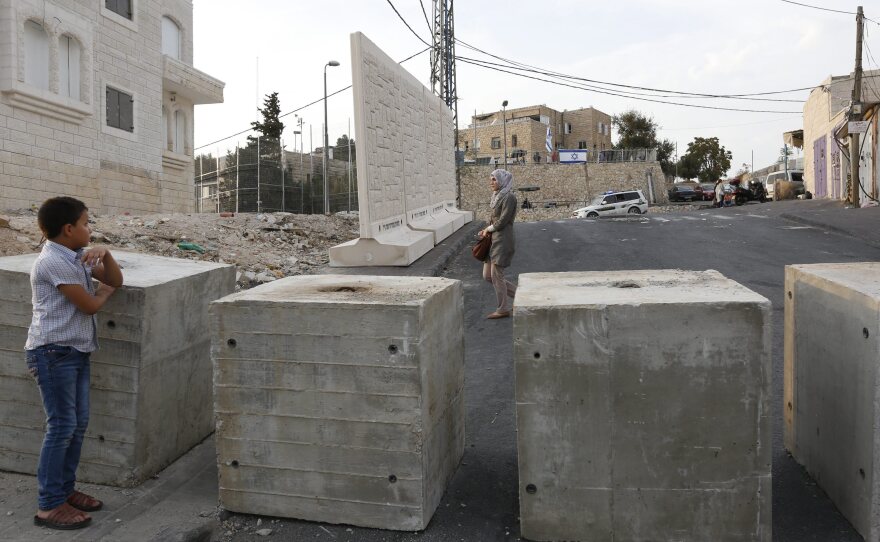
{"x":62,"y":373}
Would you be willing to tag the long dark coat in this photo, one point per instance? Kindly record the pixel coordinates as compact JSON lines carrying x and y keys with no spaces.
{"x":503,"y":241}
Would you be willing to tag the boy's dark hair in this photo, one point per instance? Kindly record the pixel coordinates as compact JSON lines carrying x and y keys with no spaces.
{"x":55,"y":213}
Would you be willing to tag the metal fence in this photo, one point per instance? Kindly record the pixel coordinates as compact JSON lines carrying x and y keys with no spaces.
{"x":523,"y":156}
{"x":264,"y":176}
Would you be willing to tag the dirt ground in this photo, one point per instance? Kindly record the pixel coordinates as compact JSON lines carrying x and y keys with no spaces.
{"x":264,"y":247}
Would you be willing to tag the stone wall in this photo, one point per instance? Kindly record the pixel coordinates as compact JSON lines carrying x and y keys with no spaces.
{"x":53,"y":144}
{"x":568,"y":185}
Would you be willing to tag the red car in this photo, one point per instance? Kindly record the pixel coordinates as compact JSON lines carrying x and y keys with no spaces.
{"x":708,"y":191}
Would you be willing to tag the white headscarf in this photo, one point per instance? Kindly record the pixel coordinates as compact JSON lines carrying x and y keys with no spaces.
{"x":505,"y":185}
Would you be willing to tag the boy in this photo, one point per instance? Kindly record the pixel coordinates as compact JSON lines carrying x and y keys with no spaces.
{"x":61,"y":337}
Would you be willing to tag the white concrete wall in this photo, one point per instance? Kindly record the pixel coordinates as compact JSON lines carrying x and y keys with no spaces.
{"x":151,"y":377}
{"x":643,"y":403}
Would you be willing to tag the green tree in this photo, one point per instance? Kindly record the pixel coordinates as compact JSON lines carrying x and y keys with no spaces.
{"x":341,"y":150}
{"x":271,"y":127}
{"x":638,"y":131}
{"x":710,"y":157}
{"x":688,"y":167}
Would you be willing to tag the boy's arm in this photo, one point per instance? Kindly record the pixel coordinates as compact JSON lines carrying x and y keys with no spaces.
{"x":105,"y":268}
{"x":84,"y":301}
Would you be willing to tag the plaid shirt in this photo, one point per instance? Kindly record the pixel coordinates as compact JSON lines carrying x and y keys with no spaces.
{"x":56,"y":320}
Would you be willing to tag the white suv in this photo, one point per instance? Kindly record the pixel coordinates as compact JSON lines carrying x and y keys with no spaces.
{"x":612,"y":203}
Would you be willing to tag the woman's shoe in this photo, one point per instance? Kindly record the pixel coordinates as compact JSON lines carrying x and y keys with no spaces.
{"x":495,"y":315}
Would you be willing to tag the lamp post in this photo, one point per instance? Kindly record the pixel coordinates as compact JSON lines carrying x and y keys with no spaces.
{"x":299,"y":123}
{"x":504,"y":127}
{"x":326,"y":141}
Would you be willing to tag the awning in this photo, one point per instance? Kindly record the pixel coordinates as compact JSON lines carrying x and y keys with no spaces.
{"x":795,"y":138}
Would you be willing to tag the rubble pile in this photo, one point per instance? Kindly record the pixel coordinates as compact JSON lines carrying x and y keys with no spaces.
{"x":264,"y":247}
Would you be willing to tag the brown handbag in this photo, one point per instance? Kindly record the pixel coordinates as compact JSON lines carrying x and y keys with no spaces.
{"x":480,"y":250}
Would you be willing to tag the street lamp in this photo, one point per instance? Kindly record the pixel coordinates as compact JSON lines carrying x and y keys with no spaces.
{"x":302,"y":184}
{"x":326,"y":140}
{"x":504,"y":127}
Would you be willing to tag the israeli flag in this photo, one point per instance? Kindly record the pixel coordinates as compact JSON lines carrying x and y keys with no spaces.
{"x":548,"y":143}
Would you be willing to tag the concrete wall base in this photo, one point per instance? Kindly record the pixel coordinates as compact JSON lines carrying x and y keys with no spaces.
{"x":400,"y":248}
{"x":643,"y":404}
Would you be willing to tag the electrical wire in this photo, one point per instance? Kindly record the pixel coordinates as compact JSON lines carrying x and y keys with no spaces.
{"x":425,"y":13}
{"x":483,"y":64}
{"x":817,"y":7}
{"x":399,"y":16}
{"x":410,"y":57}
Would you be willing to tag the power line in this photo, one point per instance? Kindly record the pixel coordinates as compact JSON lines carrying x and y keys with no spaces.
{"x":684,"y":93}
{"x":301,"y":107}
{"x":399,"y":16}
{"x":817,"y":7}
{"x":490,"y":66}
{"x":425,"y":13}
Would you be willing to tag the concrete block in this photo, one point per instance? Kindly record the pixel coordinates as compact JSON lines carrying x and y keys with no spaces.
{"x":151,"y":393}
{"x":340,"y":398}
{"x":831,"y":398}
{"x":400,"y":248}
{"x":643,"y":407}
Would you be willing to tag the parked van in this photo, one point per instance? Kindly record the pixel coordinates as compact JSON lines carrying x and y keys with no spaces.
{"x":794,"y":175}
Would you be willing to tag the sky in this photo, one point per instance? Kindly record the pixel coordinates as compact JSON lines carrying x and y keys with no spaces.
{"x":700,"y":46}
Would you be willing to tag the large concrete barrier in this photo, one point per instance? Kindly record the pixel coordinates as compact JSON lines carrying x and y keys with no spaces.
{"x":832,"y":397}
{"x":643,"y":405}
{"x":151,"y":377}
{"x":339,"y":398}
{"x":406,"y":164}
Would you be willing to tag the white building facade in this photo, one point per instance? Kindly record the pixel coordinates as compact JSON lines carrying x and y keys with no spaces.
{"x":96,"y":102}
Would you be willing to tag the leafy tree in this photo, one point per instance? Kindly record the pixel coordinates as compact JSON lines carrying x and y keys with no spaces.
{"x":271,"y":127}
{"x":638,"y":131}
{"x":688,"y":167}
{"x":712,"y":159}
{"x":341,"y":150}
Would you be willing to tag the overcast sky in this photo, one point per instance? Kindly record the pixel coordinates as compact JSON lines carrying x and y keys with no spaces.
{"x":712,"y":47}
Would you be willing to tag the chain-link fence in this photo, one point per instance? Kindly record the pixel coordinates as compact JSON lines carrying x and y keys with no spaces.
{"x":264,"y":176}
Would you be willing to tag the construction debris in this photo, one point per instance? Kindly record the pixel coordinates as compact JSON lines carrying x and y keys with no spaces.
{"x":264,"y":247}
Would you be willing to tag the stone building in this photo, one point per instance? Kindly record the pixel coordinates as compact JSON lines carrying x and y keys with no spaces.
{"x":825,"y":137}
{"x":483,"y":140}
{"x":96,"y":102}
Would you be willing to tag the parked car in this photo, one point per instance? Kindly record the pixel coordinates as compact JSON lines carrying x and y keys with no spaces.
{"x":612,"y":203}
{"x":683,"y":192}
{"x":708,"y":191}
{"x":794,"y":175}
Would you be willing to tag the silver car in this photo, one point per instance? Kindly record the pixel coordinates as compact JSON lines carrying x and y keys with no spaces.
{"x":627,"y":202}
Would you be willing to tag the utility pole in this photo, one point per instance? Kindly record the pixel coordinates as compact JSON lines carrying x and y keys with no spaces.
{"x":855,"y":112}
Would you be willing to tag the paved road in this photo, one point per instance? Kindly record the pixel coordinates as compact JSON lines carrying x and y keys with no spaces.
{"x":751,"y":245}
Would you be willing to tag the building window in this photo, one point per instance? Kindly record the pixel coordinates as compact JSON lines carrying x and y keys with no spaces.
{"x":69,"y":53}
{"x":567,"y":127}
{"x":582,"y":144}
{"x":36,"y":55}
{"x":164,"y":129}
{"x":496,"y":142}
{"x":513,"y":140}
{"x":120,"y":7}
{"x":179,"y":132}
{"x":170,"y":38}
{"x":120,"y":110}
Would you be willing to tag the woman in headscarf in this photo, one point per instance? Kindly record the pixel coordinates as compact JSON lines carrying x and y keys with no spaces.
{"x":503,"y":211}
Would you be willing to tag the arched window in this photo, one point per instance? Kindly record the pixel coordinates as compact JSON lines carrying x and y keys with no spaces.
{"x":170,"y":38}
{"x":69,"y":53}
{"x":179,"y":131}
{"x":36,"y":55}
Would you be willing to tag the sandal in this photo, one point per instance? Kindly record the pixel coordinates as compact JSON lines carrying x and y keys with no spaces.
{"x":495,"y":315}
{"x":62,"y":518}
{"x":86,"y":503}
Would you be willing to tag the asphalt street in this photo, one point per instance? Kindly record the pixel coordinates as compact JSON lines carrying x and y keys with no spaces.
{"x":750,"y":244}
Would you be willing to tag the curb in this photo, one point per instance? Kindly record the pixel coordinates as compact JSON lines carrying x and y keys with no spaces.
{"x":450,"y":247}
